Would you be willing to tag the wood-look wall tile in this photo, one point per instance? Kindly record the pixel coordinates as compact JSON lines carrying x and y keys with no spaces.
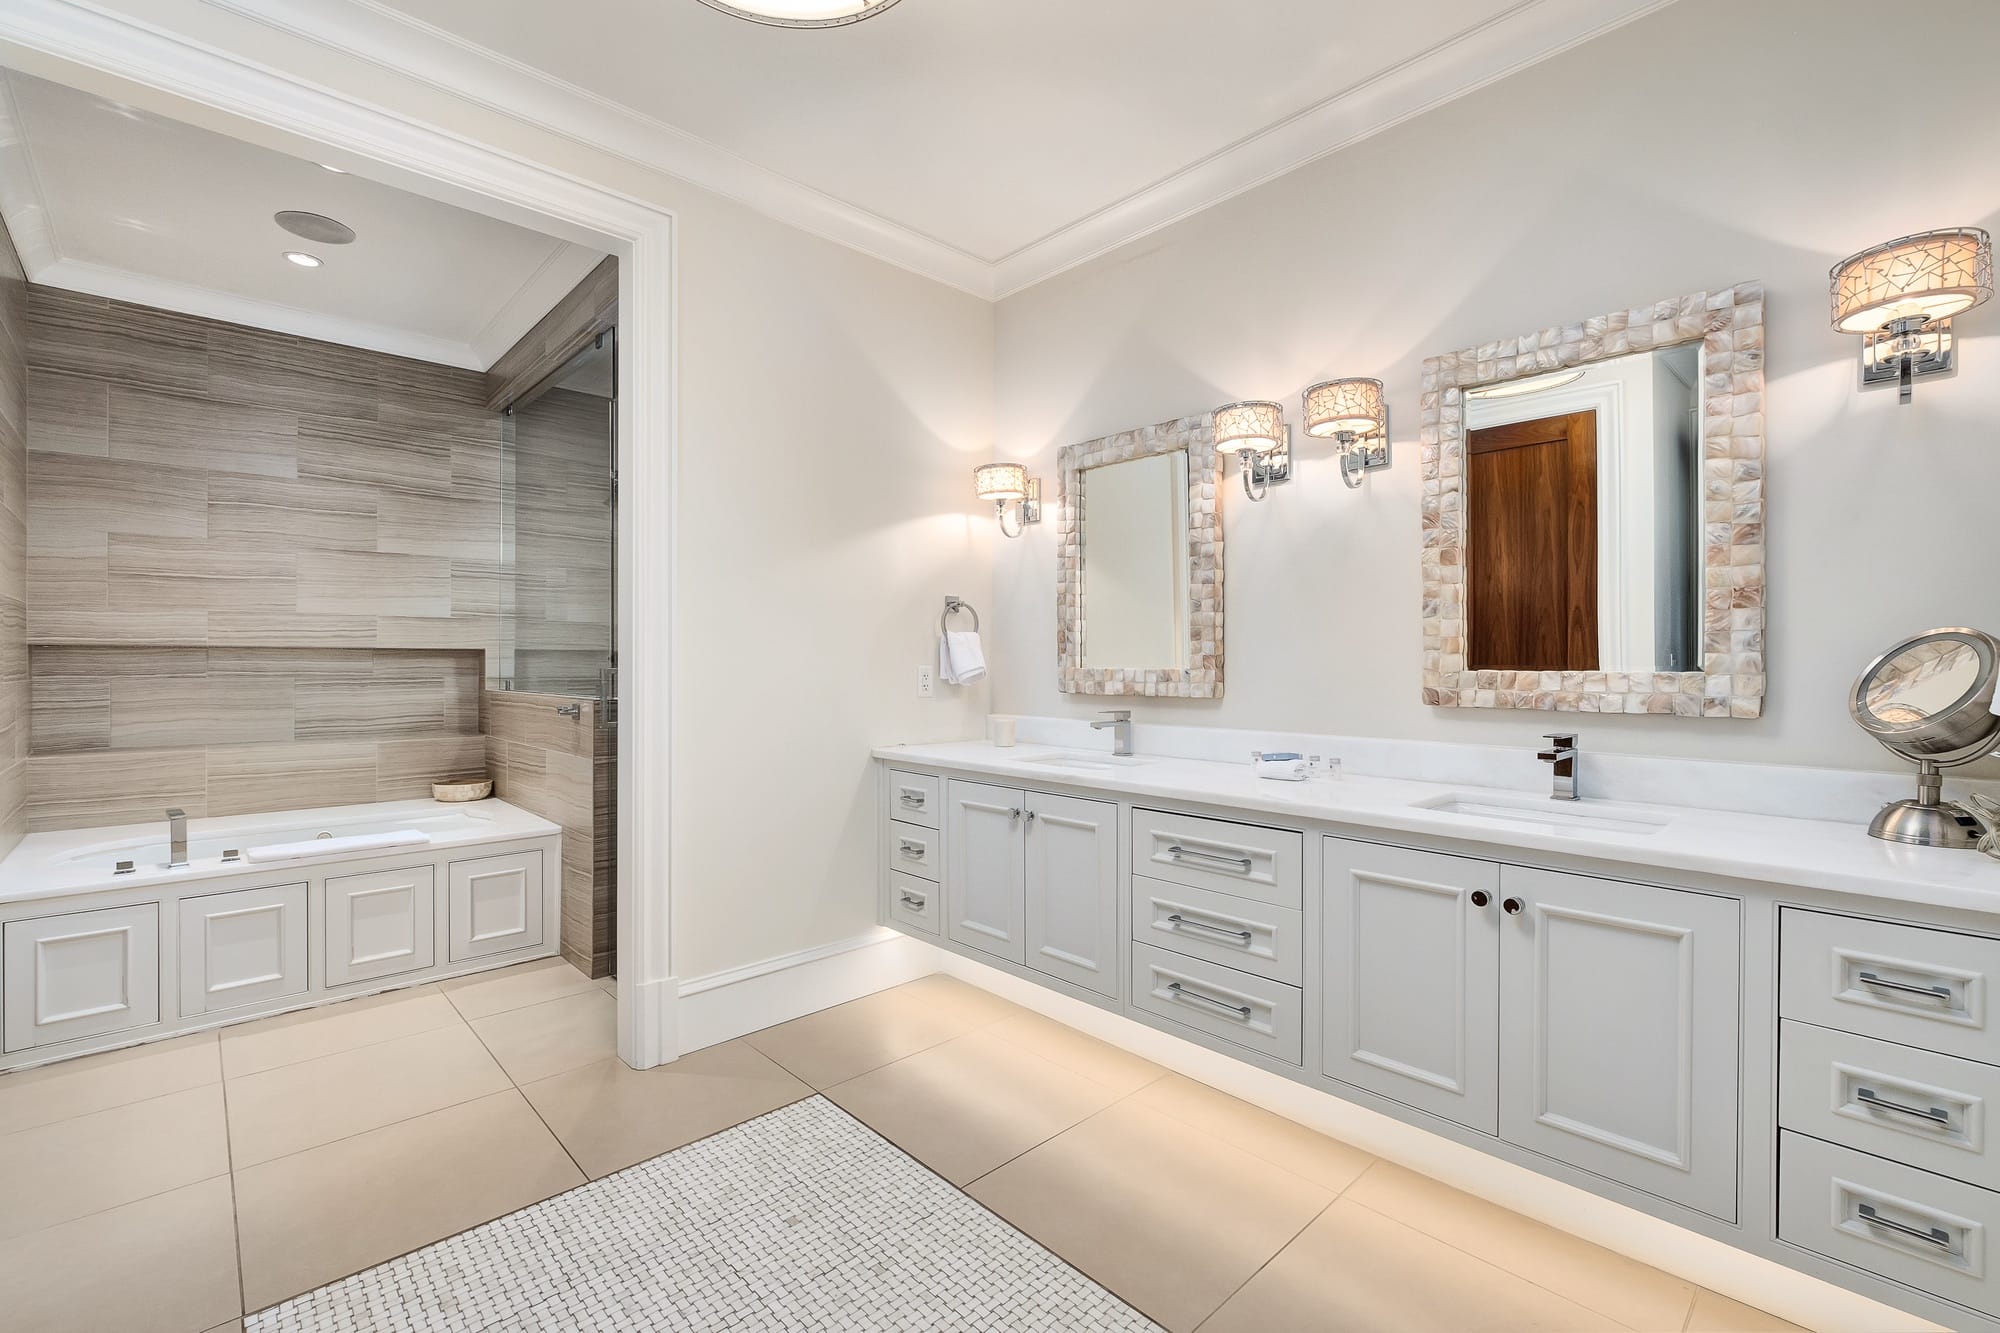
{"x":69,"y":414}
{"x":293,"y":664}
{"x":113,"y":787}
{"x":372,"y":709}
{"x":291,"y":515}
{"x":69,"y":715}
{"x":74,"y":502}
{"x":72,"y":582}
{"x":363,"y":453}
{"x":263,"y":629}
{"x":249,"y":779}
{"x":159,"y":712}
{"x":13,"y":555}
{"x":84,"y":662}
{"x":532,"y":719}
{"x":58,"y":625}
{"x":178,"y":431}
{"x":135,"y":344}
{"x":458,"y":632}
{"x":460,"y":528}
{"x":373,"y":583}
{"x":480,"y":589}
{"x":276,"y":370}
{"x":180,"y":573}
{"x":405,"y":769}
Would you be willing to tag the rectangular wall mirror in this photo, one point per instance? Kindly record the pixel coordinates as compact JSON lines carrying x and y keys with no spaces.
{"x":1139,"y":575}
{"x":1593,"y":514}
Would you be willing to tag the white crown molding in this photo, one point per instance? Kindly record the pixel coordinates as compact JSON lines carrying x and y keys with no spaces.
{"x":1525,"y":35}
{"x":23,"y":203}
{"x":555,"y":278}
{"x":141,"y":289}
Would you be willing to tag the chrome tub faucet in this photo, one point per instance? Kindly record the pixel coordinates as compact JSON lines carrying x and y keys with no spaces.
{"x":1120,"y":722}
{"x":1562,"y":755}
{"x":177,"y":832}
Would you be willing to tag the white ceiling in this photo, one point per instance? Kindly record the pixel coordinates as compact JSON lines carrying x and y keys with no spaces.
{"x":1001,"y":139}
{"x":107,"y":199}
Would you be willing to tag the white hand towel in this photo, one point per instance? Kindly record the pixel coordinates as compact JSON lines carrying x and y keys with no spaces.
{"x":960,"y":658}
{"x":359,"y":842}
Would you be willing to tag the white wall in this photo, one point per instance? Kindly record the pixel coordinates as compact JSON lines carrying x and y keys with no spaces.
{"x":1706,"y":144}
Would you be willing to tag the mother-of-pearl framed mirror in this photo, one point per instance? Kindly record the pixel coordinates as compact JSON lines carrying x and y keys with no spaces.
{"x":1139,"y":563}
{"x":1593,"y":514}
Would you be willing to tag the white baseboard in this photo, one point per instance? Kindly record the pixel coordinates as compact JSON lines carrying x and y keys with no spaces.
{"x":650,"y":1033}
{"x":725,"y":1005}
{"x":1686,"y":1254}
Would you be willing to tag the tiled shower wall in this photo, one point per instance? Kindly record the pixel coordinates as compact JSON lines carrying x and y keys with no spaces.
{"x":13,"y":547}
{"x":263,"y":572}
{"x":562,"y":542}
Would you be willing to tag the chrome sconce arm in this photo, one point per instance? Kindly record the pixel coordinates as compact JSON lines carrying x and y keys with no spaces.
{"x":1256,"y":432}
{"x":1354,"y":413}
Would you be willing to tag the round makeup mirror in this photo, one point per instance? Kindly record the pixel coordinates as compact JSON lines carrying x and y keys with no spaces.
{"x":1930,"y":699}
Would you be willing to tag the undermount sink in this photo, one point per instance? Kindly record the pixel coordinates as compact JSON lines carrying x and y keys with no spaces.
{"x":1086,"y":760}
{"x":1546,"y":816}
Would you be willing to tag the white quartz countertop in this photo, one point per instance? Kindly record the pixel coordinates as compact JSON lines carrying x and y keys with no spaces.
{"x":81,"y":860}
{"x":1797,"y":853}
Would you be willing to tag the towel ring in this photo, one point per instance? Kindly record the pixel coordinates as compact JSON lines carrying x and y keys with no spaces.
{"x":952,"y":604}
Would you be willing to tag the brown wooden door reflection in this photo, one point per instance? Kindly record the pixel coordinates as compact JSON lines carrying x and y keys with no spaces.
{"x":1531,"y":545}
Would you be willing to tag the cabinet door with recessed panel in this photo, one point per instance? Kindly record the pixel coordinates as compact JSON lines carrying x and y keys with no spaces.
{"x":984,"y":883}
{"x":378,"y":924}
{"x":1072,"y":890}
{"x":496,"y":905}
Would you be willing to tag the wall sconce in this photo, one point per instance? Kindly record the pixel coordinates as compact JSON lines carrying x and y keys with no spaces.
{"x":1257,"y":434}
{"x":1009,"y":482}
{"x":1900,"y":296}
{"x":1354,"y":413}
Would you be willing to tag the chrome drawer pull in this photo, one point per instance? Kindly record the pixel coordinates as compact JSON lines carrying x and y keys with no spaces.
{"x":915,"y":900}
{"x":1937,"y":1115}
{"x":1904,"y":987}
{"x":912,"y":796}
{"x":1935,"y":1236}
{"x":1180,"y":922}
{"x":1181,"y":992}
{"x":913,"y":850}
{"x":1177,"y":852}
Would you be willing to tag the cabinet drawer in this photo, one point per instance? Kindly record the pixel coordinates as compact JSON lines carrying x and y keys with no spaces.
{"x":242,"y":948}
{"x":82,"y":974}
{"x":1894,"y":1101}
{"x":1236,"y":932}
{"x":1908,"y":984}
{"x":1893,"y":1220}
{"x":914,"y":849}
{"x":913,"y":902}
{"x":914,"y":798}
{"x":1249,"y":1011}
{"x":1242,"y":859}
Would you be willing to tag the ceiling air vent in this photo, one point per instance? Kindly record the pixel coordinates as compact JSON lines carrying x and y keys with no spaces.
{"x":314,"y":227}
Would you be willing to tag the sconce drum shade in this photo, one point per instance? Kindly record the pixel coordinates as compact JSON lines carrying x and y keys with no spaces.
{"x":1001,"y":481}
{"x":1257,"y":427}
{"x":1932,"y":275}
{"x":1345,"y":407}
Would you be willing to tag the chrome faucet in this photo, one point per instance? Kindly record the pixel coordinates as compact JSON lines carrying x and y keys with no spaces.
{"x":177,"y":829}
{"x":1120,"y":722}
{"x":1562,"y":754}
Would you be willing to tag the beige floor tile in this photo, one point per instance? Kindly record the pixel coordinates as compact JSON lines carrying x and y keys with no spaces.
{"x":1282,"y":1142}
{"x":1716,"y":1313}
{"x":970,"y":1104}
{"x":97,"y":1082}
{"x":1099,"y":1061}
{"x":610,"y":1116}
{"x":608,"y":984}
{"x":166,"y":1264}
{"x":1634,"y":1294}
{"x":1356,"y":1269}
{"x":330,"y":1211}
{"x":299,"y":1106}
{"x":545,"y":1039}
{"x":514,"y":987}
{"x":837,"y":1044}
{"x":1169,"y":1218}
{"x":329,"y":1029}
{"x":72,"y":1168}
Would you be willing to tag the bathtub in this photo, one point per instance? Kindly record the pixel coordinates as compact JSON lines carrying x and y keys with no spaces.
{"x":91,"y":958}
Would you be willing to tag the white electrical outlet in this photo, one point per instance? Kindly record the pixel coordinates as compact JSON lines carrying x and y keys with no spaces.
{"x":926,"y":681}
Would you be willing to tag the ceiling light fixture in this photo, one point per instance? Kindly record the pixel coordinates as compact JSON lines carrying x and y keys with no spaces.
{"x":314,"y":227}
{"x":802,"y":13}
{"x":304,"y":260}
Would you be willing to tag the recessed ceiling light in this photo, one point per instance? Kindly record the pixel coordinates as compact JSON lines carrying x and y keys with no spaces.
{"x":802,"y":13}
{"x":304,"y":260}
{"x":314,"y":226}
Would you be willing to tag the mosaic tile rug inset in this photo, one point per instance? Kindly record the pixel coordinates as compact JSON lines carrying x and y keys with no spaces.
{"x":802,"y":1219}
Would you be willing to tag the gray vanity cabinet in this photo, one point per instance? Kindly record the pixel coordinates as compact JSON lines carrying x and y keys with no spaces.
{"x":1032,"y":877}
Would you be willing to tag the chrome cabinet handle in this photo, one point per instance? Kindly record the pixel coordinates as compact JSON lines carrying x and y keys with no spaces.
{"x":1904,"y":987}
{"x":1031,"y":816}
{"x":1480,"y":898}
{"x":911,"y":796}
{"x":1241,"y":1011}
{"x":915,"y":900}
{"x":1013,"y":816}
{"x":1177,"y":852}
{"x":1935,"y":1236}
{"x":1936,"y":1115}
{"x":913,"y":850}
{"x":1180,"y":922}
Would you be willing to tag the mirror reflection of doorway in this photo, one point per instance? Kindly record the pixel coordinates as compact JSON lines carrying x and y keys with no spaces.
{"x":1531,"y":545}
